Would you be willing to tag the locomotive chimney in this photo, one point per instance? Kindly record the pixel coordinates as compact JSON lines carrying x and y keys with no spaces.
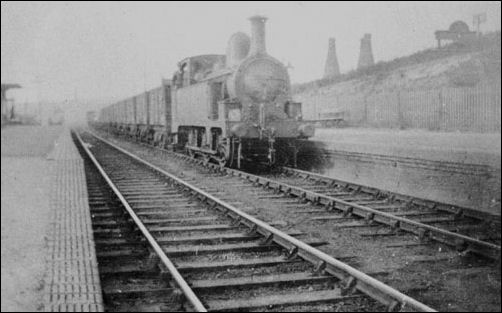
{"x":258,"y":35}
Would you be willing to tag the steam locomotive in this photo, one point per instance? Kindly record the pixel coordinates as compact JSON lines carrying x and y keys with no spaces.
{"x":229,"y":109}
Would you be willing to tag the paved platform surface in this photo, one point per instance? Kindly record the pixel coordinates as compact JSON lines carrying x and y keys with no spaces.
{"x":455,"y":168}
{"x":72,"y":283}
{"x":469,"y":148}
{"x":29,"y":141}
{"x":48,"y":258}
{"x":25,"y":220}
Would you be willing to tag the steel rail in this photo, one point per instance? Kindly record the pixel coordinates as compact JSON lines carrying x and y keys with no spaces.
{"x":353,"y":278}
{"x":442,"y":206}
{"x":187,"y":291}
{"x":369,"y":214}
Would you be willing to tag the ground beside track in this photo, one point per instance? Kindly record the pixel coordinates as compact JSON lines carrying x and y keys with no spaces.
{"x":43,"y":236}
{"x":25,"y":214}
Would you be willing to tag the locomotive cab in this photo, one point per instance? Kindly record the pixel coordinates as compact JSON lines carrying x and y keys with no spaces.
{"x":194,"y":69}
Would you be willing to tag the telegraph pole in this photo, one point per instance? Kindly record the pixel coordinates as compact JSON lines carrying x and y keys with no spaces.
{"x":37,"y":81}
{"x":477,"y":20}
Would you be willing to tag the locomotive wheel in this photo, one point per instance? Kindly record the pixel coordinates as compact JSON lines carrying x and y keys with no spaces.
{"x":190,"y":153}
{"x":223,"y":156}
{"x":205,"y":159}
{"x":222,"y":162}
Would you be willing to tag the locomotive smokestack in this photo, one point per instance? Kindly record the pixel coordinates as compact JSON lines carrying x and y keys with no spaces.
{"x":258,"y":45}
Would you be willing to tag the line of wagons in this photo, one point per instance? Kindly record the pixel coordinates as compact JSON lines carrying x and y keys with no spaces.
{"x":145,"y":117}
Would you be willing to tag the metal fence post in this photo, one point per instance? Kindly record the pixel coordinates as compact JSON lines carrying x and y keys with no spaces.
{"x":495,"y":122}
{"x":365,"y":118}
{"x":400,"y":120}
{"x":441,"y":109}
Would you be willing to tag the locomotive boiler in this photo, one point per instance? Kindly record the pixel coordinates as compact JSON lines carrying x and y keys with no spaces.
{"x":230,"y":109}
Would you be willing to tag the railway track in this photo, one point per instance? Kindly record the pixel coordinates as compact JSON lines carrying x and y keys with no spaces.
{"x":162,"y":236}
{"x":482,"y":227}
{"x":463,"y":229}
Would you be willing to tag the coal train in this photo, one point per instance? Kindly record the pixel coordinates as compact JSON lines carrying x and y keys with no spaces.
{"x":91,"y":117}
{"x":230,"y":109}
{"x":56,"y":117}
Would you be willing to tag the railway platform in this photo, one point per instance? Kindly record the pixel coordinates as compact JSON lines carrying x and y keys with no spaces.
{"x":48,"y":257}
{"x":467,"y":148}
{"x":456,"y":168}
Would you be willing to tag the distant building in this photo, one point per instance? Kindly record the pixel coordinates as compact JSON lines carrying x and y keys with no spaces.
{"x":331,"y":68}
{"x":458,"y":32}
{"x":365,"y":53}
{"x":7,"y":108}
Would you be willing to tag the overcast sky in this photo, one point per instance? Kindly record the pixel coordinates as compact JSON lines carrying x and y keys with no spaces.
{"x":104,"y":50}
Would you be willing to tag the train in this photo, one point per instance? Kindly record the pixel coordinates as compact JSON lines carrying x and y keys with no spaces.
{"x":230,"y":109}
{"x":91,"y":117}
{"x":56,"y":117}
